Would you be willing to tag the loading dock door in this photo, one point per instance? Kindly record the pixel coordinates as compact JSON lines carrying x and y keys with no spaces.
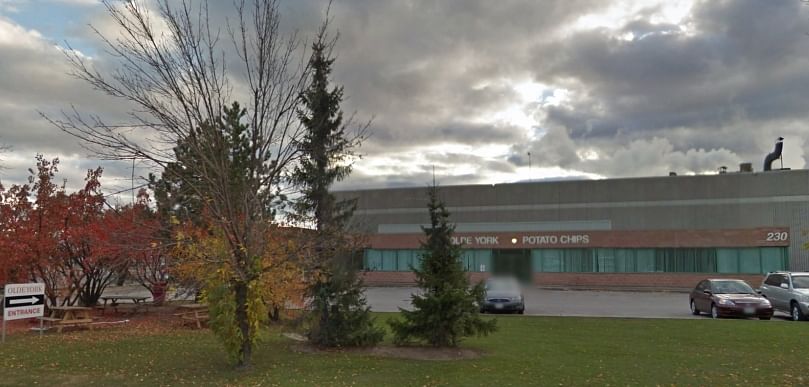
{"x":515,"y":263}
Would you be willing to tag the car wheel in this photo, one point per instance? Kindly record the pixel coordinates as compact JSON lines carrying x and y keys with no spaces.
{"x":522,"y":311}
{"x":714,"y":311}
{"x":694,"y":309}
{"x":797,"y":315}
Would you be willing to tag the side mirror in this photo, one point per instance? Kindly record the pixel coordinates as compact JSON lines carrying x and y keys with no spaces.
{"x":758,"y":291}
{"x":708,"y":292}
{"x":785,"y":286}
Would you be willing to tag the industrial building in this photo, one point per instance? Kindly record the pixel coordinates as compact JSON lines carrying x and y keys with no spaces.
{"x":656,"y":232}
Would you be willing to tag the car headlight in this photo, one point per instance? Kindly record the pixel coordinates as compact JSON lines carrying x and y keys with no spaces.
{"x":725,"y":301}
{"x":765,"y":302}
{"x":517,"y":298}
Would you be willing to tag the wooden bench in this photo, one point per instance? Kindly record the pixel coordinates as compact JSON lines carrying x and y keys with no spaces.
{"x":65,"y":316}
{"x":193,"y":314}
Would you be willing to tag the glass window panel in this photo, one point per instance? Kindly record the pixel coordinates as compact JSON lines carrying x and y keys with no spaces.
{"x":404,"y":258}
{"x":624,"y":260}
{"x":468,"y":260}
{"x":727,"y":260}
{"x":605,"y":260}
{"x":388,"y":260}
{"x":578,"y":260}
{"x":772,"y":259}
{"x":373,"y":260}
{"x":706,"y":260}
{"x":536,"y":260}
{"x":749,"y":260}
{"x":645,"y":260}
{"x":552,"y":260}
{"x":484,"y":260}
{"x":417,"y":256}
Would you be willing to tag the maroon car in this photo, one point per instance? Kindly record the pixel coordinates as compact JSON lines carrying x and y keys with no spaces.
{"x":729,"y":298}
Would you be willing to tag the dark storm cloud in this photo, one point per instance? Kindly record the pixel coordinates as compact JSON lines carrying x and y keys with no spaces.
{"x":421,"y":66}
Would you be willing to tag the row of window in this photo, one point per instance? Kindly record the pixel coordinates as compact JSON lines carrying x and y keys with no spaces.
{"x":607,"y":260}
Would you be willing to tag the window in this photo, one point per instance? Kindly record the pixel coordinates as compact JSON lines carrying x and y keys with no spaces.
{"x":773,"y":280}
{"x":800,"y":282}
{"x":727,"y":261}
{"x":404,"y":259}
{"x":606,"y":260}
{"x":749,"y":260}
{"x":373,"y":260}
{"x":772,"y":259}
{"x":477,"y":260}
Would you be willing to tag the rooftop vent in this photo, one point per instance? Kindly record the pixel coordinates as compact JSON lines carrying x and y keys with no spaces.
{"x":775,"y":155}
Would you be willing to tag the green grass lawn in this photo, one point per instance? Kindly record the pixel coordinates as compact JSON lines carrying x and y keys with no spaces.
{"x":525,"y":351}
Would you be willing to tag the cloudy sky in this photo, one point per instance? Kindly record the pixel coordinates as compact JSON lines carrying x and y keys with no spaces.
{"x":590,"y":88}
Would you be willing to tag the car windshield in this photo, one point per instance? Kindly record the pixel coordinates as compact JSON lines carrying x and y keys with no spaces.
{"x":729,"y":287}
{"x":501,"y":286}
{"x":801,"y":282}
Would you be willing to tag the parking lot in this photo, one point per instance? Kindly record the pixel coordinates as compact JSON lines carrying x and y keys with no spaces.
{"x":541,"y":302}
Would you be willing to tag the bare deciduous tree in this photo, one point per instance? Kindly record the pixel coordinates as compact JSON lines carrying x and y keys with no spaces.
{"x":180,"y":71}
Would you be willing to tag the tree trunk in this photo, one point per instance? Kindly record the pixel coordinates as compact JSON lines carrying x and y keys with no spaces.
{"x":244,"y":324}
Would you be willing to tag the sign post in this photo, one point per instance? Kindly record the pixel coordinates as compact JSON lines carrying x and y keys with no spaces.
{"x":23,"y":301}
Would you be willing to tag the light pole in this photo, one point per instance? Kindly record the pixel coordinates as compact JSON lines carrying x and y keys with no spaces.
{"x":529,"y":165}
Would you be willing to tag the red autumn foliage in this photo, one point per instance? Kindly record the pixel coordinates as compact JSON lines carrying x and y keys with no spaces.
{"x":147,"y":242}
{"x":72,"y":242}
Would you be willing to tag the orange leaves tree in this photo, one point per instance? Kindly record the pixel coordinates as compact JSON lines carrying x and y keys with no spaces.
{"x":202,"y":257}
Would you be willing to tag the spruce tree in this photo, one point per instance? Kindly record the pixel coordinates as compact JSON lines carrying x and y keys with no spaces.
{"x":447,"y":309}
{"x":340,"y":315}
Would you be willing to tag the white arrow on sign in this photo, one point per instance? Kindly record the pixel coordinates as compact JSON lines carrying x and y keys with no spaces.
{"x":31,"y":300}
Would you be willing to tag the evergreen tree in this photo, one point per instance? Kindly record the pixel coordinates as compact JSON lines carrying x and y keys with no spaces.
{"x":340,"y":316}
{"x":447,"y":308}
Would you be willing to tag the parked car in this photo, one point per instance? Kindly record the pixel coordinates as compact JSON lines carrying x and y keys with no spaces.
{"x":728,"y":298}
{"x":503,"y":295}
{"x":788,"y":292}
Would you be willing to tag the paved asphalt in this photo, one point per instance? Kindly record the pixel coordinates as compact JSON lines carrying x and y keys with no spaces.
{"x":540,"y":302}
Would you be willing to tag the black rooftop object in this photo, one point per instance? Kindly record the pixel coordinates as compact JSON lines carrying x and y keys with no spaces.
{"x":779,"y":146}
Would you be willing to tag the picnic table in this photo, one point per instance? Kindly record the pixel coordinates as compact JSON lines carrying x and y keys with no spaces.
{"x":193,"y":313}
{"x":136,"y":301}
{"x":62,"y":316}
{"x":114,"y":299}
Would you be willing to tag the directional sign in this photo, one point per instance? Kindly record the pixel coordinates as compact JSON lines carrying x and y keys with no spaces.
{"x":24,"y":301}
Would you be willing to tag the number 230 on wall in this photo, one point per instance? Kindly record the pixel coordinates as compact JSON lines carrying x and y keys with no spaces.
{"x":777,"y":236}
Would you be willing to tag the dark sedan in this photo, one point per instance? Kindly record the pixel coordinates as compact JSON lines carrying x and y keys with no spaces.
{"x":729,"y":298}
{"x":503,"y":295}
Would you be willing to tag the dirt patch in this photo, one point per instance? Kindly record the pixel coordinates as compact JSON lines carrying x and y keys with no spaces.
{"x":412,"y":353}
